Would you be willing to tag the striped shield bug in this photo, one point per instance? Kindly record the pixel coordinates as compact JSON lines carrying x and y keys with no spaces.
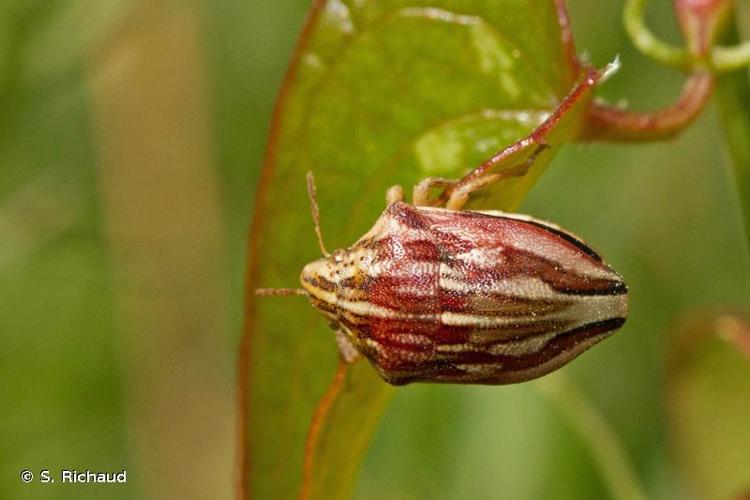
{"x":440,"y":294}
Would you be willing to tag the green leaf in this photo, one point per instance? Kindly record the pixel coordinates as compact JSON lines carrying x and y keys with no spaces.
{"x":334,"y":457}
{"x":379,"y":93}
{"x":708,"y":403}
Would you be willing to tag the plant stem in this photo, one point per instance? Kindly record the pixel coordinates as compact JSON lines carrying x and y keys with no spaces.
{"x":731,"y":58}
{"x":604,"y":444}
{"x":313,"y":435}
{"x":159,"y":190}
{"x":698,"y":21}
{"x":733,"y":99}
{"x":647,"y":42}
{"x":609,"y":123}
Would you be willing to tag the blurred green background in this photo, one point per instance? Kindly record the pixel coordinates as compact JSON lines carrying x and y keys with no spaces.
{"x":131,"y":139}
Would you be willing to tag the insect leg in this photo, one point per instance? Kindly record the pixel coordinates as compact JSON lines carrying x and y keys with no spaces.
{"x":315,"y":212}
{"x":460,"y":195}
{"x":348,"y":352}
{"x":465,"y":187}
{"x":421,"y":196}
{"x":394,"y":194}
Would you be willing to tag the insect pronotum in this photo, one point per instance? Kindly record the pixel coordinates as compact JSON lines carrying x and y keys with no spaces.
{"x":434,"y":294}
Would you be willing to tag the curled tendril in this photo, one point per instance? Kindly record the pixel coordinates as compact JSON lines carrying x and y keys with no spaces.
{"x":731,"y":58}
{"x":642,"y":37}
{"x":718,"y":59}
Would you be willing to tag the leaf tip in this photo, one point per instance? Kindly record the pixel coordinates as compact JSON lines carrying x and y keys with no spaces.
{"x":610,"y":69}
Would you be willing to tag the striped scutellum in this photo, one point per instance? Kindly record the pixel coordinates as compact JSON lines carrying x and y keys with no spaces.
{"x":446,"y":295}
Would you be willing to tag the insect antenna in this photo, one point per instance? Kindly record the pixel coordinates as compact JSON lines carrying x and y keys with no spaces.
{"x":270,"y":292}
{"x":315,"y":212}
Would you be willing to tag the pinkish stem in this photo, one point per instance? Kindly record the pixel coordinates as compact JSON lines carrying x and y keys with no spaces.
{"x":608,"y":123}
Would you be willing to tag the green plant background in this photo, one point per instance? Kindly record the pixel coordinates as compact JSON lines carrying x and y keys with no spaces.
{"x":73,"y":322}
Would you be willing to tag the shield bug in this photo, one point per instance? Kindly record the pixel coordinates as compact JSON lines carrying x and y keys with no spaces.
{"x":440,"y":294}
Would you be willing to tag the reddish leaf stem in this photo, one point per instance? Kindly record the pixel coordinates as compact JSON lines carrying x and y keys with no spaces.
{"x":258,"y":219}
{"x":590,"y":79}
{"x":566,"y":35}
{"x":608,"y":123}
{"x":313,"y":434}
{"x":699,"y":22}
{"x":736,"y":332}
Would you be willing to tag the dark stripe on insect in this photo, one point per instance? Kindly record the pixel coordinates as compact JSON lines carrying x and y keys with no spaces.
{"x":320,"y":283}
{"x":323,"y":306}
{"x":484,"y":303}
{"x":526,"y":264}
{"x":492,"y":336}
{"x":561,"y":343}
{"x":614,"y":288}
{"x":567,"y":237}
{"x":407,"y":214}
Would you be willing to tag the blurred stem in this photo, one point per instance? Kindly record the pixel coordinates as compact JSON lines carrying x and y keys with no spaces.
{"x":163,"y":223}
{"x":642,"y":37}
{"x":732,"y":58}
{"x":733,"y":98}
{"x":698,"y":21}
{"x":604,"y":444}
{"x":319,"y":419}
{"x":609,"y":123}
{"x":735,"y":331}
